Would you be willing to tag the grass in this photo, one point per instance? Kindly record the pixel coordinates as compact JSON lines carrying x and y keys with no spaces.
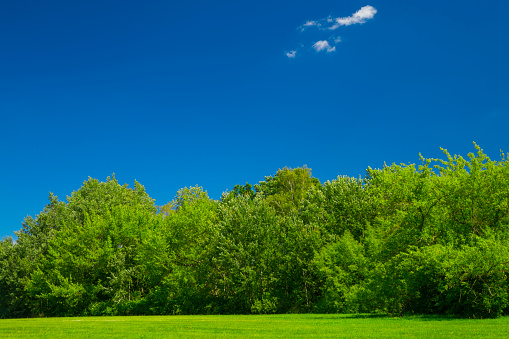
{"x":252,"y":326}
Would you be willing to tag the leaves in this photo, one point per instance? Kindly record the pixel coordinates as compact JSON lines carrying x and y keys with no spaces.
{"x":430,"y":238}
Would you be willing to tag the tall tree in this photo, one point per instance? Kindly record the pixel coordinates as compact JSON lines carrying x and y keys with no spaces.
{"x":287,"y":188}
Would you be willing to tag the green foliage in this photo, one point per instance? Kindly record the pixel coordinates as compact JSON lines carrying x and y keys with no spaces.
{"x":173,"y":257}
{"x":407,"y":239}
{"x":13,"y":302}
{"x":342,"y":268}
{"x":470,"y":281}
{"x":340,"y":205}
{"x":287,"y":188}
{"x":239,"y":190}
{"x":261,"y":259}
{"x":422,"y":207}
{"x":92,"y":262}
{"x":96,"y":197}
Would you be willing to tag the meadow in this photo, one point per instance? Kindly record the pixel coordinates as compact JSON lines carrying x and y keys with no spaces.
{"x":251,"y":326}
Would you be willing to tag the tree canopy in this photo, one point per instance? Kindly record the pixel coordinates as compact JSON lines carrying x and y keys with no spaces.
{"x":429,"y":239}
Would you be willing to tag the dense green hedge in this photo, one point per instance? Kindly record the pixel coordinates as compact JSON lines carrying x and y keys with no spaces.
{"x":428,"y":239}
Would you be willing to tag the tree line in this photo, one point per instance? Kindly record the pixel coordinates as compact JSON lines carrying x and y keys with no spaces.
{"x":406,"y":239}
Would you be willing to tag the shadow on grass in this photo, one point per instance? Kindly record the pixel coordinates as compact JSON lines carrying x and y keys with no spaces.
{"x":350,"y":316}
{"x":433,"y":317}
{"x":388,"y":316}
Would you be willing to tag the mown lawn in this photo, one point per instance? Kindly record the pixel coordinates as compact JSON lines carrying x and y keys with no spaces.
{"x":249,"y":326}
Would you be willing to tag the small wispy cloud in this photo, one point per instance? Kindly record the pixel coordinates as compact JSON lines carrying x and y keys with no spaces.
{"x":361,"y":16}
{"x":323,"y":45}
{"x":309,"y":24}
{"x":330,"y":23}
{"x":291,"y":54}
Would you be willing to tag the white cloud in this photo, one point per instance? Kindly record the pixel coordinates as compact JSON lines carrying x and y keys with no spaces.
{"x":323,"y":45}
{"x":330,"y":23}
{"x":291,"y":54}
{"x":309,"y":23}
{"x":359,"y":17}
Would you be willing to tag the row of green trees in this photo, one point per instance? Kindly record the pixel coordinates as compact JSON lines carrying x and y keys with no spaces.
{"x":431,"y":239}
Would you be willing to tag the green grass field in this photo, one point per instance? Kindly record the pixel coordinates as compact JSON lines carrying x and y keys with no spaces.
{"x":248,"y":326}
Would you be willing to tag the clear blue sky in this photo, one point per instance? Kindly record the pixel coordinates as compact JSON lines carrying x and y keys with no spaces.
{"x":211,"y":93}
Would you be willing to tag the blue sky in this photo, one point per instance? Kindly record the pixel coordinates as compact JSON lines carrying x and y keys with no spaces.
{"x":210,"y":93}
